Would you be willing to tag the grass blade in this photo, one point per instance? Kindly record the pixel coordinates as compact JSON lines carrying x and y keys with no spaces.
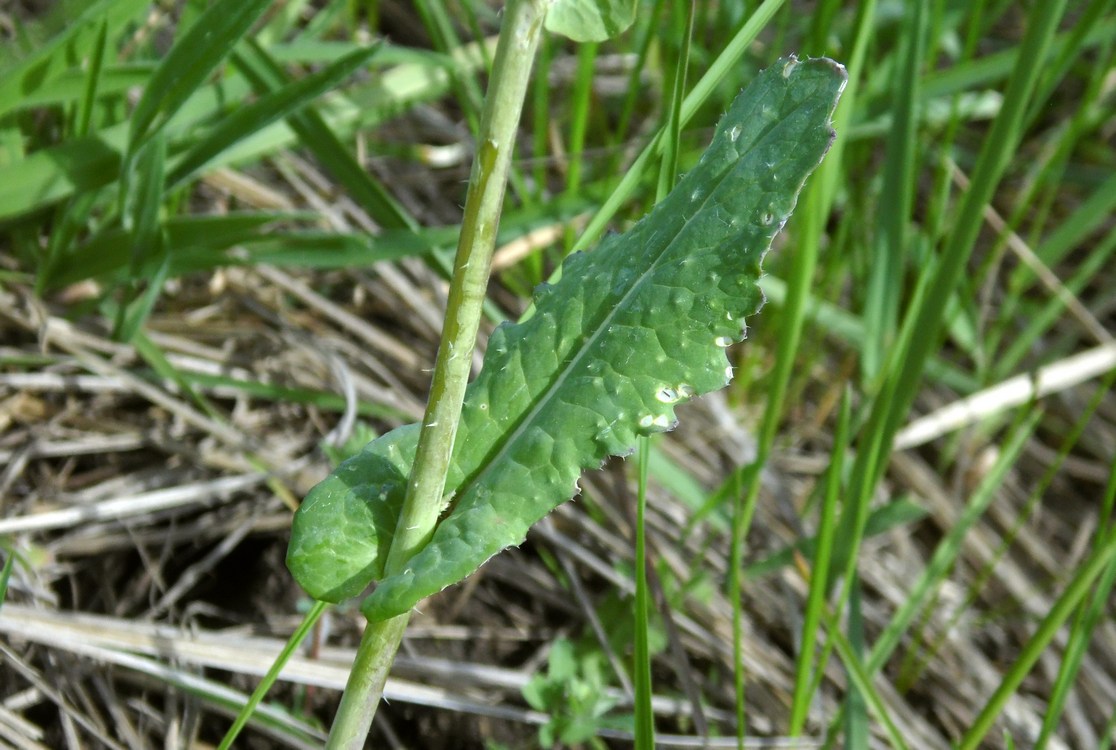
{"x":194,"y":56}
{"x":296,"y":639}
{"x":47,"y":63}
{"x":1048,"y":629}
{"x":266,"y":76}
{"x":644,"y":715}
{"x":141,"y":223}
{"x":273,"y":106}
{"x":881,"y":309}
{"x":819,"y":573}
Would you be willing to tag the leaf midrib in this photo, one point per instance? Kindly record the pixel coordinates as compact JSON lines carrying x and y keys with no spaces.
{"x":509,"y":438}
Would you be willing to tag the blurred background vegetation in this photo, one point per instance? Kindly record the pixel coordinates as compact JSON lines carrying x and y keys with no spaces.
{"x":222,"y":272}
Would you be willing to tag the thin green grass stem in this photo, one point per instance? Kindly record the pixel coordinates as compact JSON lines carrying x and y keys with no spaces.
{"x":644,"y":715}
{"x":924,"y":321}
{"x":440,"y":26}
{"x":1084,"y":625}
{"x":297,"y":637}
{"x":644,"y":690}
{"x":850,"y":646}
{"x":819,"y":572}
{"x":950,"y":547}
{"x":889,"y":251}
{"x":817,"y":200}
{"x":862,"y":680}
{"x":6,"y":573}
{"x":646,"y":35}
{"x":1070,"y":599}
{"x":998,"y":150}
{"x":579,"y":124}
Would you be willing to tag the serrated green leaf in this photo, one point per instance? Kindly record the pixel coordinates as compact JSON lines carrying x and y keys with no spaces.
{"x":590,"y":20}
{"x":631,"y":330}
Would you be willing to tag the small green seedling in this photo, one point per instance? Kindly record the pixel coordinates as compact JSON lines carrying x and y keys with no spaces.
{"x":573,"y":693}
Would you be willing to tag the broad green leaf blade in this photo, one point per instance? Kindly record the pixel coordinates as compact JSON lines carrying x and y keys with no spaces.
{"x":343,"y":530}
{"x":590,"y":20}
{"x":631,"y":329}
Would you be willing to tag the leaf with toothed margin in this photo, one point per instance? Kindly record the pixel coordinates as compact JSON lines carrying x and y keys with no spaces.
{"x":590,"y":20}
{"x":631,"y":329}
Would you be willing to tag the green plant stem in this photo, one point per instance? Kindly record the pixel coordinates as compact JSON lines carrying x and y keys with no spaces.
{"x":366,"y":682}
{"x":519,"y":38}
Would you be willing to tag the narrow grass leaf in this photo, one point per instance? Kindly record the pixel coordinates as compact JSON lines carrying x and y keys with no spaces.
{"x":947,"y":551}
{"x":443,"y":32}
{"x":57,"y":56}
{"x":53,"y":174}
{"x":868,"y":697}
{"x":70,"y":220}
{"x":316,"y":134}
{"x":1079,"y":586}
{"x":157,"y":359}
{"x":71,"y":86}
{"x":1076,"y":649}
{"x":1084,"y":626}
{"x":668,"y":171}
{"x":991,"y":68}
{"x":147,"y":291}
{"x":245,"y":121}
{"x":92,"y":81}
{"x":881,"y":309}
{"x":194,"y":56}
{"x":6,"y":573}
{"x":644,"y":714}
{"x":632,"y":329}
{"x":994,"y":158}
{"x":925,"y":318}
{"x":857,"y":727}
{"x":141,"y":222}
{"x":269,"y":679}
{"x":108,"y":255}
{"x":203,"y":243}
{"x":896,"y":514}
{"x":327,"y":401}
{"x":819,"y":572}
